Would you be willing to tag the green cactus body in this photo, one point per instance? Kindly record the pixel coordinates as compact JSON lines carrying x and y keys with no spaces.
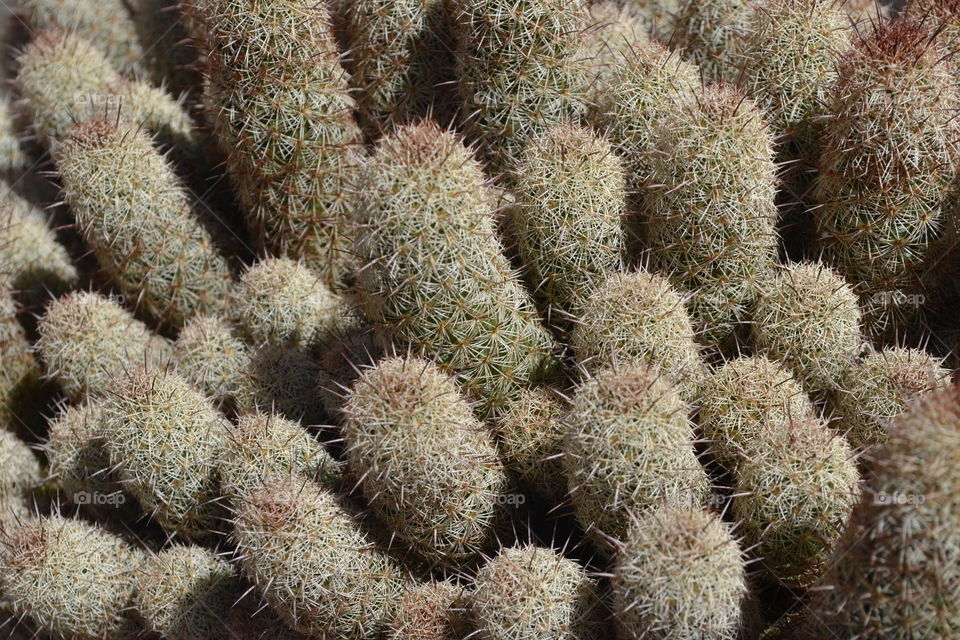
{"x":437,"y":278}
{"x":679,"y":576}
{"x":629,"y":446}
{"x":713,"y":214}
{"x":887,"y":168}
{"x":165,"y":441}
{"x":186,"y":592}
{"x":743,"y":401}
{"x":64,"y":79}
{"x":29,"y":251}
{"x":706,"y":31}
{"x":519,"y":70}
{"x":808,"y":318}
{"x":139,"y":219}
{"x":209,"y":354}
{"x":570,"y":200}
{"x":87,"y":341}
{"x":291,"y":134}
{"x":426,"y":465}
{"x":794,"y":490}
{"x":787,"y":63}
{"x":880,"y":388}
{"x":263,"y":445}
{"x":303,"y":551}
{"x":283,"y":303}
{"x":634,"y":316}
{"x":400,"y":60}
{"x":19,"y":375}
{"x":896,"y":566}
{"x":71,"y":578}
{"x":534,"y":592}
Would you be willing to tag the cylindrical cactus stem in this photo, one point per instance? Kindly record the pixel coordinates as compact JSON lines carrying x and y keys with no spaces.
{"x":29,"y":252}
{"x":139,"y":219}
{"x":706,"y":32}
{"x":712,"y":208}
{"x":531,"y":591}
{"x":880,"y":388}
{"x":285,"y":304}
{"x":639,"y":316}
{"x":882,"y":583}
{"x":743,"y":400}
{"x":87,"y":341}
{"x":313,"y":564}
{"x":431,"y":611}
{"x":436,"y":276}
{"x":519,"y":70}
{"x":568,"y":218}
{"x":73,"y":579}
{"x":629,"y":445}
{"x":284,"y":380}
{"x":209,"y":354}
{"x":679,"y":576}
{"x":887,"y":170}
{"x":401,"y":61}
{"x":427,"y":466}
{"x":186,"y":592}
{"x":19,"y":468}
{"x":614,"y":31}
{"x":787,"y":63}
{"x":292,"y":138}
{"x":794,"y":490}
{"x":64,"y":78}
{"x":808,"y":318}
{"x":263,"y":445}
{"x":165,"y":441}
{"x":108,"y":23}
{"x":20,"y":375}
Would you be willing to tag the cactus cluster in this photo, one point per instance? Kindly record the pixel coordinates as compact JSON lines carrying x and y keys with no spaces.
{"x":479,"y":319}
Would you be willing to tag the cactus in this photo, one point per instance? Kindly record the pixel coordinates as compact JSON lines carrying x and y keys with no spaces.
{"x":437,"y":278}
{"x":880,"y":388}
{"x":941,"y":17}
{"x":76,"y":453}
{"x":209,"y":354}
{"x":263,"y":445}
{"x":283,"y":380}
{"x":794,"y":490}
{"x":431,"y":611}
{"x":534,"y":592}
{"x":73,"y":579}
{"x":164,"y":440}
{"x":882,"y":582}
{"x":712,"y":211}
{"x":650,"y":82}
{"x":312,"y":564}
{"x":518,"y":71}
{"x":570,"y":200}
{"x":138,"y":218}
{"x":19,"y":375}
{"x":629,"y":445}
{"x":64,"y":79}
{"x":531,"y":432}
{"x":340,"y":363}
{"x":291,"y":132}
{"x":808,"y":318}
{"x":744,"y":401}
{"x":679,"y":576}
{"x":29,"y":251}
{"x":614,"y":32}
{"x":657,"y":15}
{"x":283,"y":303}
{"x":706,"y":32}
{"x":13,"y":158}
{"x":888,"y":164}
{"x":639,"y":316}
{"x":425,"y":463}
{"x":401,"y":61}
{"x":185,"y":592}
{"x":19,"y":468}
{"x":788,"y":64}
{"x":106,"y":22}
{"x":87,"y":341}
